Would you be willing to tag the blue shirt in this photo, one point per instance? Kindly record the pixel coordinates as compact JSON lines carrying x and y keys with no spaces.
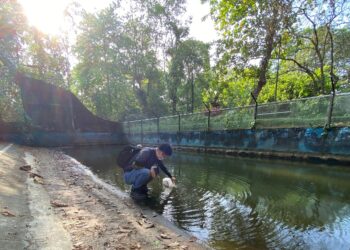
{"x":147,"y":158}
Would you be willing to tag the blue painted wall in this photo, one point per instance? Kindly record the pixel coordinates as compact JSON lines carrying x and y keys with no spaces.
{"x":299,"y":140}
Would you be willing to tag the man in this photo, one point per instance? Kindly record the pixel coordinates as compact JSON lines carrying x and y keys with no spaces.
{"x":144,"y":167}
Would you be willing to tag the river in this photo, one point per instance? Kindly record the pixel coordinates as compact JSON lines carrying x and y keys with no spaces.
{"x":242,"y":203}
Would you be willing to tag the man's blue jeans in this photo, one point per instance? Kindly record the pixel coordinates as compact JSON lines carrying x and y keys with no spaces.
{"x":137,"y":177}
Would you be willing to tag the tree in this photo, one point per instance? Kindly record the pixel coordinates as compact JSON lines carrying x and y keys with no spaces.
{"x":120,"y":55}
{"x":250,"y":31}
{"x":230,"y":88}
{"x":311,"y":45}
{"x":44,"y":58}
{"x":13,"y":27}
{"x":191,"y":59}
{"x":168,"y":28}
{"x":98,"y":78}
{"x":342,"y":56}
{"x":176,"y":70}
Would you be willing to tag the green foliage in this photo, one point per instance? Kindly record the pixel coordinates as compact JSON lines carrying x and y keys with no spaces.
{"x":102,"y":77}
{"x":45,"y":58}
{"x":231,"y":89}
{"x":306,"y":112}
{"x":11,"y":109}
{"x":13,"y":27}
{"x":188,"y":74}
{"x":342,"y":58}
{"x":194,"y":122}
{"x":118,"y":55}
{"x":289,"y":86}
{"x":169,"y":123}
{"x":300,"y":35}
{"x":251,"y":30}
{"x":12,"y":30}
{"x":237,"y":118}
{"x":139,"y":63}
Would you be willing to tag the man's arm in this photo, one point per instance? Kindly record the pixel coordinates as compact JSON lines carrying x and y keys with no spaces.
{"x":164,"y":169}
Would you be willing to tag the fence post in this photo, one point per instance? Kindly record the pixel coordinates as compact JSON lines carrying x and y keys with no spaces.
{"x":209,"y":112}
{"x":141,"y":132}
{"x":157,"y":129}
{"x":129,"y":129}
{"x":255,"y":109}
{"x":179,"y":122}
{"x":327,"y":126}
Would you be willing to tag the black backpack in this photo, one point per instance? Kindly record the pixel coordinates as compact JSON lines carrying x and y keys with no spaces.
{"x":125,"y":156}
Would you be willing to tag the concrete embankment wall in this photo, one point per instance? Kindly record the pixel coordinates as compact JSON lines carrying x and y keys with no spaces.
{"x":312,"y":144}
{"x":54,"y":116}
{"x":57,"y":139}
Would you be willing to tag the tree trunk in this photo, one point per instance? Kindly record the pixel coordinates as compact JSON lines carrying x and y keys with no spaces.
{"x":173,"y":99}
{"x":173,"y":104}
{"x":109,"y":95}
{"x":264,"y":64}
{"x":173,"y":96}
{"x":142,"y":99}
{"x":5,"y":59}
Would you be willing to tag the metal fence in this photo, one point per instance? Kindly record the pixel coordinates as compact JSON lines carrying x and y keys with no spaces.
{"x":306,"y":112}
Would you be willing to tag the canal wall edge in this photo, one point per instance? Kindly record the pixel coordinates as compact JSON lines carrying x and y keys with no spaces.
{"x":298,"y":144}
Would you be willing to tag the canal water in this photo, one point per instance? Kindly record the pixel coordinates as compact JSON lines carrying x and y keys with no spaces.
{"x":240,"y":203}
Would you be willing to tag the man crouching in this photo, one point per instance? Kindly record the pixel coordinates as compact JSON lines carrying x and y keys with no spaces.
{"x":144,"y":167}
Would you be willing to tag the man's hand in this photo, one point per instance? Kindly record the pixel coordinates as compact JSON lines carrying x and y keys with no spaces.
{"x":153,"y":172}
{"x":173,"y":179}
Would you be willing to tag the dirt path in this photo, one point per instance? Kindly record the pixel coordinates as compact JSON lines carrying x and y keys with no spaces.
{"x":59,"y":204}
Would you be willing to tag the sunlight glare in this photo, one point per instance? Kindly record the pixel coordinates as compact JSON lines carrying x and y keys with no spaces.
{"x":45,"y":15}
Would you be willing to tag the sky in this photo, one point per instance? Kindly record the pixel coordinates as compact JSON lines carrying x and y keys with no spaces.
{"x":47,"y":16}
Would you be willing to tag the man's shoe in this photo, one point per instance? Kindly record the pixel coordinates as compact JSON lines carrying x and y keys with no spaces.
{"x":139,"y":193}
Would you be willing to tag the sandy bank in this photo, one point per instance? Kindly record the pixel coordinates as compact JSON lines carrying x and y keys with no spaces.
{"x":69,"y":208}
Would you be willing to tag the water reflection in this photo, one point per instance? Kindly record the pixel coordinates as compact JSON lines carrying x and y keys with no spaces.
{"x":246,"y":203}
